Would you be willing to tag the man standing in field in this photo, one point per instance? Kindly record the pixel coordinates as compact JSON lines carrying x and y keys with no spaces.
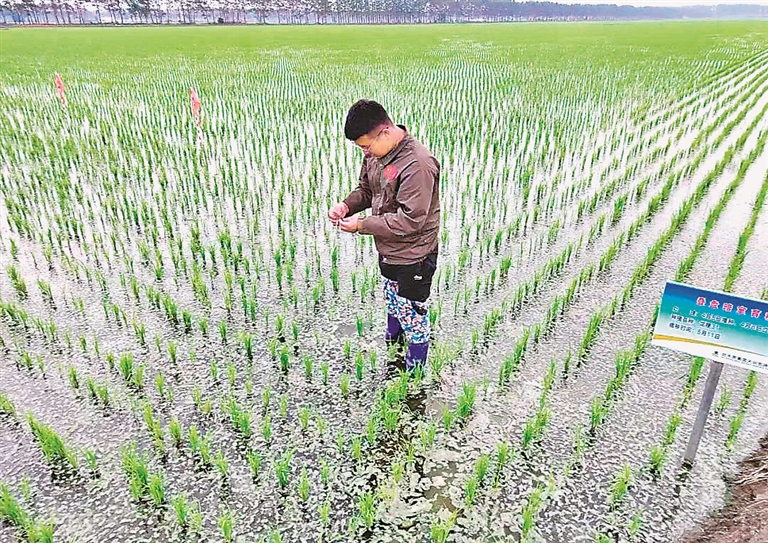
{"x":399,"y":181}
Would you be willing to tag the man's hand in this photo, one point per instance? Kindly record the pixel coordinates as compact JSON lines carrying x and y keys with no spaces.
{"x":338,"y":212}
{"x":350,"y":224}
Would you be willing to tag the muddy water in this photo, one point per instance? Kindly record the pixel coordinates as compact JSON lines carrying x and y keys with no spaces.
{"x":100,"y":509}
{"x":496,"y":424}
{"x":638,"y":424}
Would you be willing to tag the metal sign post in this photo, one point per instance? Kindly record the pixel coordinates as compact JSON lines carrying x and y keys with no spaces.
{"x":715,"y":369}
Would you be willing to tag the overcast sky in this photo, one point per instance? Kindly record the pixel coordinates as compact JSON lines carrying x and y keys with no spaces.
{"x":664,"y":3}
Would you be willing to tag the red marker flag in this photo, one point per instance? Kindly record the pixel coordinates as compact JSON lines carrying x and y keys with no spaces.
{"x":60,"y":89}
{"x":195,"y":100}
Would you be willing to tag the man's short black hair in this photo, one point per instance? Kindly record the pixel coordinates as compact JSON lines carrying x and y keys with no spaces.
{"x":364,"y":117}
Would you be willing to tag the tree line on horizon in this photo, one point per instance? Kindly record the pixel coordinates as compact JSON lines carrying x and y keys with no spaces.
{"x":123,"y":12}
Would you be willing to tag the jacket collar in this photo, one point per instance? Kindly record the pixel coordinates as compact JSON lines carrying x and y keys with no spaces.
{"x":390,"y":156}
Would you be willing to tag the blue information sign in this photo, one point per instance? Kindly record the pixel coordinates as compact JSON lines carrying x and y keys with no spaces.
{"x":714,"y":325}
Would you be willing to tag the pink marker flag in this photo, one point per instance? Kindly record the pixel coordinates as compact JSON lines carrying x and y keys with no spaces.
{"x":195,"y":100}
{"x":60,"y":89}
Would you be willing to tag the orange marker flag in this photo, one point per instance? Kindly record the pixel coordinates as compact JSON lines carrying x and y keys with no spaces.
{"x":60,"y":89}
{"x":195,"y":100}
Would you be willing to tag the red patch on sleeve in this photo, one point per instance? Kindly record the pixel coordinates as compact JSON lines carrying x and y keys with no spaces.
{"x":390,"y":172}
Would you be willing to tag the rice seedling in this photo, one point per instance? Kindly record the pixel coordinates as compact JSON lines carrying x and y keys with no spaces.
{"x":635,"y":525}
{"x":91,"y":461}
{"x":254,"y":462}
{"x":529,"y":434}
{"x":359,"y":365}
{"x":428,"y":435}
{"x":283,"y":468}
{"x":303,"y":486}
{"x":45,"y":291}
{"x":693,"y":377}
{"x":372,"y":428}
{"x":194,"y":439}
{"x":466,"y":400}
{"x":530,"y":511}
{"x":308,"y":367}
{"x":549,"y":380}
{"x":231,"y":374}
{"x":440,"y":530}
{"x":42,"y":532}
{"x":285,"y":359}
{"x":182,"y":510}
{"x":12,"y":512}
{"x":749,"y":388}
{"x":204,"y":450}
{"x":344,"y":384}
{"x":154,"y":427}
{"x":226,"y":523}
{"x":74,"y":379}
{"x":53,"y":447}
{"x":481,"y":468}
{"x":356,"y":449}
{"x":567,"y":364}
{"x":103,"y":393}
{"x":213,"y":368}
{"x":304,"y":415}
{"x":502,"y":457}
{"x":284,"y":406}
{"x":470,"y":491}
{"x":160,"y":384}
{"x":410,"y":454}
{"x":126,"y":367}
{"x":508,"y":367}
{"x":733,"y":429}
{"x":176,"y":431}
{"x":418,"y":376}
{"x":597,"y":413}
{"x":671,"y":429}
{"x":157,"y":489}
{"x":448,"y":418}
{"x":172,"y":351}
{"x":221,"y":464}
{"x":589,"y":336}
{"x":657,"y":460}
{"x":25,"y":361}
{"x":17,"y":281}
{"x":195,"y":518}
{"x":266,"y":428}
{"x":620,"y":485}
{"x":324,"y":369}
{"x":367,"y":508}
{"x":136,"y":467}
{"x":723,"y":401}
{"x":324,"y":511}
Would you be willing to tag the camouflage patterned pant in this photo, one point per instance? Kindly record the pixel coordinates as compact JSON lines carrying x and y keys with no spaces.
{"x":413,"y":316}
